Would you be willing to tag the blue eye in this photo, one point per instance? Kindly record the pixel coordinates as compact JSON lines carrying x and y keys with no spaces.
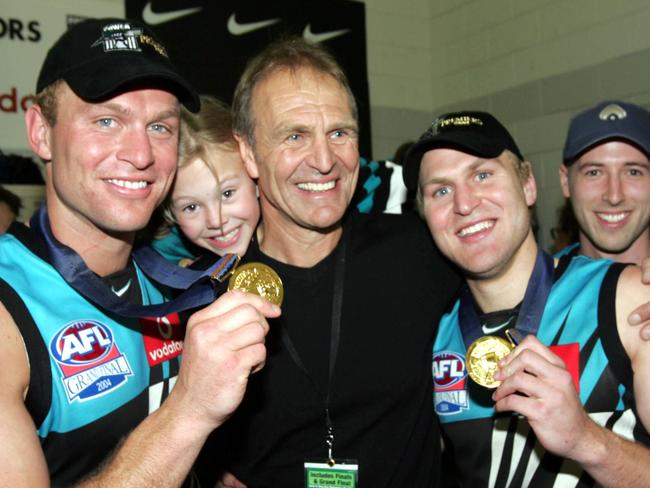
{"x":441,"y":192}
{"x":159,"y":128}
{"x":483,"y":175}
{"x":105,"y":122}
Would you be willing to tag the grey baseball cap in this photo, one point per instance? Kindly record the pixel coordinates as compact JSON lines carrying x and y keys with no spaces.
{"x":611,"y":119}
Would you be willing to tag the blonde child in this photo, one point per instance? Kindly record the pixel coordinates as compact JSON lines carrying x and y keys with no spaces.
{"x":213,"y":201}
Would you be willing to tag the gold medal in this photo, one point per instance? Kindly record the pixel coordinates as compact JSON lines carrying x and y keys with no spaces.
{"x":259,"y":279}
{"x":483,"y":357}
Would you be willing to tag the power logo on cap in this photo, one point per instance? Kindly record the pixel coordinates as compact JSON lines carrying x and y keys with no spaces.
{"x":91,"y":363}
{"x":449,"y":383}
{"x":612,"y":111}
{"x":123,"y":37}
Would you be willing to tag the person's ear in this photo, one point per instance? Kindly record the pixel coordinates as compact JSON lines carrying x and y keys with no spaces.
{"x":564,"y":180}
{"x":38,"y":132}
{"x":247,"y":155}
{"x":530,"y":186}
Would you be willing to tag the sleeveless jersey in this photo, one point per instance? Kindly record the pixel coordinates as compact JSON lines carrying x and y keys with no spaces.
{"x":93,"y":376}
{"x":499,"y":450}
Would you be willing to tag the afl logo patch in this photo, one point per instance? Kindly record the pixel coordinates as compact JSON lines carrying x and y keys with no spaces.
{"x":449,"y":383}
{"x":81,"y":343}
{"x":89,"y":359}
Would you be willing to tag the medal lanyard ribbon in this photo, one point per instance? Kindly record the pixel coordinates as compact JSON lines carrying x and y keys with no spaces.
{"x":200,"y":287}
{"x":532,"y":308}
{"x":337,"y":307}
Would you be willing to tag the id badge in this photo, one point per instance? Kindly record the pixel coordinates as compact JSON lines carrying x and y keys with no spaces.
{"x":343,"y":474}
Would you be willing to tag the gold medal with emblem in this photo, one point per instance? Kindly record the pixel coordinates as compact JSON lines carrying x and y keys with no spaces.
{"x":483,"y":356}
{"x":258,"y":278}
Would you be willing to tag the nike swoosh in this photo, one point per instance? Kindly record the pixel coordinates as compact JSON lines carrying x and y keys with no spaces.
{"x":489,"y":330}
{"x":239,"y":28}
{"x":317,"y":37}
{"x":155,"y":18}
{"x":122,"y":290}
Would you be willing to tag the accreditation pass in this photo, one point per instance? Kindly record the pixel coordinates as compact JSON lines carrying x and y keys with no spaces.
{"x":322,"y":475}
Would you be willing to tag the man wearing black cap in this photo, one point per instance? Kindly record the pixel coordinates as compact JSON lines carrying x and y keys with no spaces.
{"x":90,"y":342}
{"x":606,"y":174}
{"x":570,"y":406}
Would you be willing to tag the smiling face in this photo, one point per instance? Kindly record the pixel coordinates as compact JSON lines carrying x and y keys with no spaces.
{"x":306,"y":153}
{"x":110,"y":163}
{"x":609,"y":187}
{"x":476,"y":209}
{"x":218,"y":213}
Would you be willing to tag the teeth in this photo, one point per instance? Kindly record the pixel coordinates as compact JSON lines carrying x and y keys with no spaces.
{"x":317,"y":186}
{"x":612,"y":218}
{"x":131,"y":185}
{"x":472,"y":229}
{"x":226,"y":237}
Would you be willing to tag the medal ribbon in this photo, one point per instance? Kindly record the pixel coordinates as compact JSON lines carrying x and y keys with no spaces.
{"x":200,"y":287}
{"x":337,"y":306}
{"x":532,"y":308}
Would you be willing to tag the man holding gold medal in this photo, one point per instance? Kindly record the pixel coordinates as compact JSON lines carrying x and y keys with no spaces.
{"x":559,"y":388}
{"x":93,"y":387}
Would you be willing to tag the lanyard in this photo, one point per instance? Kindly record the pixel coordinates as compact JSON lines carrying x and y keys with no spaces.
{"x":199,"y":286}
{"x":337,"y":306}
{"x":532,"y":308}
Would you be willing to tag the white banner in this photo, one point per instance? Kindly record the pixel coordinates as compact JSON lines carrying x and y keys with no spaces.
{"x":27,"y":30}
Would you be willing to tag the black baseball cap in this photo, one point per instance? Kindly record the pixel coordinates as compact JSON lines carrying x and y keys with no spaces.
{"x":611,"y":119}
{"x":98,"y":57}
{"x":477,"y":133}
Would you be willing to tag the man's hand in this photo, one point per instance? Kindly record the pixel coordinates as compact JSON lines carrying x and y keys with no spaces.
{"x":228,"y":480}
{"x":641,"y":315}
{"x":224,"y":345}
{"x":537,"y":385}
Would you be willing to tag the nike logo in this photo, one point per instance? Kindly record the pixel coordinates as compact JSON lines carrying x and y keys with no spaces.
{"x":317,"y":37}
{"x":490,"y":330}
{"x":240,"y":28}
{"x":155,"y":18}
{"x":122,"y":290}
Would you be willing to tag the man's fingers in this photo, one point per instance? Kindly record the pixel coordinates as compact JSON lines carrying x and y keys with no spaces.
{"x":520,"y":382}
{"x":523,"y":405}
{"x":245,"y":336}
{"x":234,"y":299}
{"x":531,"y":344}
{"x":645,"y":269}
{"x":640,"y":314}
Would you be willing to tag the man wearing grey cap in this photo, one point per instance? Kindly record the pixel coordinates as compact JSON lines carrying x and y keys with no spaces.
{"x":91,"y":339}
{"x":606,"y":174}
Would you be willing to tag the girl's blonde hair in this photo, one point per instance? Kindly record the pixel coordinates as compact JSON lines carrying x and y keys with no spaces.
{"x":200,"y":133}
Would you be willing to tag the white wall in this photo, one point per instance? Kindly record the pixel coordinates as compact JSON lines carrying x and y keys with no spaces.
{"x":532,"y":63}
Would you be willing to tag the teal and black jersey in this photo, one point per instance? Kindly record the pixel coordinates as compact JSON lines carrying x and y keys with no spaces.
{"x":501,"y":450}
{"x":93,"y":376}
